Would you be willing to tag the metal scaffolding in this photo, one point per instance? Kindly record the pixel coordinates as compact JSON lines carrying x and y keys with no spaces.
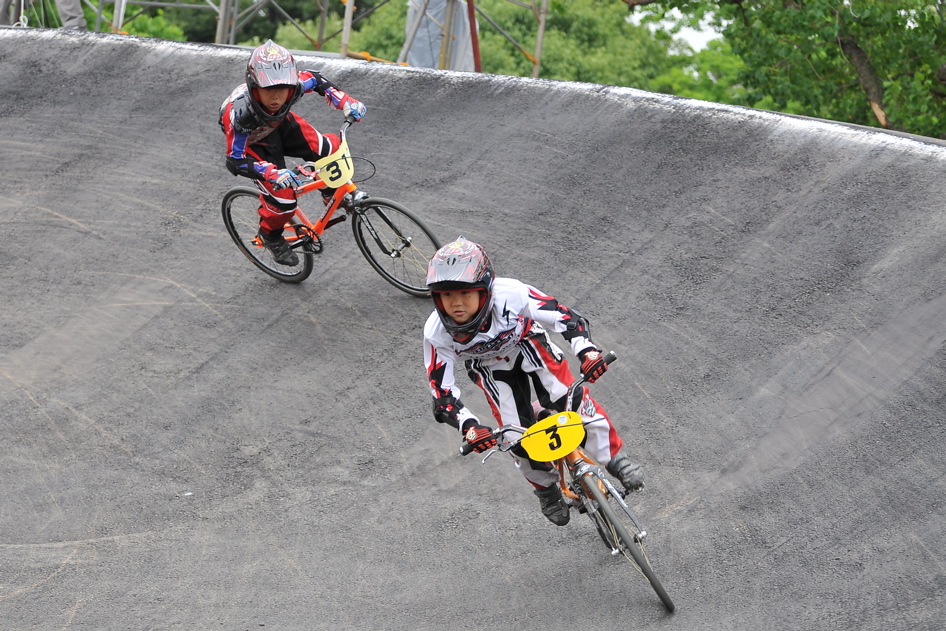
{"x":231,"y":19}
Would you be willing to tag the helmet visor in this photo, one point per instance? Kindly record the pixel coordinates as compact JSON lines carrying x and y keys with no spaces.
{"x":272,"y":65}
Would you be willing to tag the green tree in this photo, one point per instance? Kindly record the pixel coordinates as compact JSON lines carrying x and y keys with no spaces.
{"x":711,"y":74}
{"x":45,"y":13}
{"x":871,"y":62}
{"x":156,"y":25}
{"x":201,"y":26}
{"x":585,"y":40}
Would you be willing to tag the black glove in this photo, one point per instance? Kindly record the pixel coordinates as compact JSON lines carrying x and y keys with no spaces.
{"x":479,"y":437}
{"x":592,"y":364}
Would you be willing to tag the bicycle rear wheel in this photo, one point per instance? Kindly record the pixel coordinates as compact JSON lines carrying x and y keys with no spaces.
{"x":240,"y":210}
{"x":397,"y":244}
{"x":620,"y":533}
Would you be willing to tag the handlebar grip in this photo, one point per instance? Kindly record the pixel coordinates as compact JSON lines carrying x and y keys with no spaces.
{"x":609,"y":357}
{"x":466,"y":448}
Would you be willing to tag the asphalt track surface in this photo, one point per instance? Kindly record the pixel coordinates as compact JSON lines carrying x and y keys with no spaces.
{"x":186,"y":443}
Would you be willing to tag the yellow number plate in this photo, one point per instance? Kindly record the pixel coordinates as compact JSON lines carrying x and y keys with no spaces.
{"x":336,"y":169}
{"x":554,"y":437}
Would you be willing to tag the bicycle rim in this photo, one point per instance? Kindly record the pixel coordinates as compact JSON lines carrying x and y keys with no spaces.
{"x":396,"y":243}
{"x":621,"y":534}
{"x":240,"y":210}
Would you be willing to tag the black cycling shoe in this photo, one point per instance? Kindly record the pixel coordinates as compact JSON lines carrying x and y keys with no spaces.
{"x":279,"y":248}
{"x":553,"y":504}
{"x":630,"y":474}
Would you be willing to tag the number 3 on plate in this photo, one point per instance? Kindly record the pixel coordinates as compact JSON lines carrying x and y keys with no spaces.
{"x":554,"y":437}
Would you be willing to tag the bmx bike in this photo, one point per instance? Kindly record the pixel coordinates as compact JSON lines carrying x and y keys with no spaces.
{"x":396,"y":243}
{"x":557,"y":439}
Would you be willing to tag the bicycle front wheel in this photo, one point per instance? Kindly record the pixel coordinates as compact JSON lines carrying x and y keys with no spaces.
{"x":397,"y":244}
{"x":240,"y":210}
{"x":620,"y":533}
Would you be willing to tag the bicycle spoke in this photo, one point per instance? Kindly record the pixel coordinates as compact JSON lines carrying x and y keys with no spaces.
{"x":241,"y":217}
{"x":396,"y":243}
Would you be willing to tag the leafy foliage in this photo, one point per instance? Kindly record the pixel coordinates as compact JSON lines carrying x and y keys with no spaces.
{"x":153,"y":23}
{"x":156,"y":25}
{"x":712,"y":74}
{"x":584,"y":40}
{"x":871,"y":62}
{"x":201,"y":26}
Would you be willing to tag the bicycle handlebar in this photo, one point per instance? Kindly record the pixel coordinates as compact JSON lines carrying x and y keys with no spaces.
{"x":307,"y":169}
{"x":466,"y":448}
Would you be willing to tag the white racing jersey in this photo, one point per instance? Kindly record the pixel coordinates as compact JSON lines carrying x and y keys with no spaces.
{"x":518,"y":310}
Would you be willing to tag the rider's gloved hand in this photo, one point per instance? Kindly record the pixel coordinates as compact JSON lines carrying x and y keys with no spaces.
{"x":355,"y":109}
{"x":479,"y":436}
{"x":282,"y":178}
{"x":592,"y":364}
{"x":340,"y":100}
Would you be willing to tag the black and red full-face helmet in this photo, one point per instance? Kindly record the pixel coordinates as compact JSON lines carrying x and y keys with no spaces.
{"x":269,"y":66}
{"x":461,"y":265}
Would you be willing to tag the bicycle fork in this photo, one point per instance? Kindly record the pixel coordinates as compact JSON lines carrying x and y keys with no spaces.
{"x":405,"y":242}
{"x":579,"y":467}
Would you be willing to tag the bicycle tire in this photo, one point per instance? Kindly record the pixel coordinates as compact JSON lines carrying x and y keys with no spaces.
{"x":396,"y":243}
{"x":621,"y":534}
{"x":240,"y":209}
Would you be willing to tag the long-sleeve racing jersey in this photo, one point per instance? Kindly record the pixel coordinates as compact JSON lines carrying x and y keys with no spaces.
{"x":517,"y":311}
